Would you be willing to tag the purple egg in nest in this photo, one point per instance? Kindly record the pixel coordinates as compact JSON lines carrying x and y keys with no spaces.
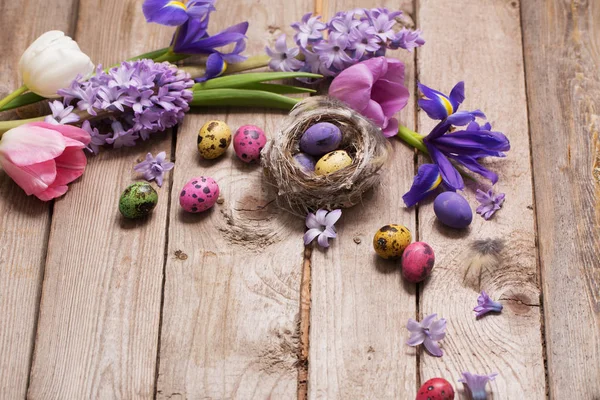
{"x":306,"y":162}
{"x":453,"y":210}
{"x":321,"y":138}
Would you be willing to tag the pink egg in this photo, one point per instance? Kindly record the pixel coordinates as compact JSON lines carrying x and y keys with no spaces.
{"x":248,"y":141}
{"x":417,"y":262}
{"x":199,"y":194}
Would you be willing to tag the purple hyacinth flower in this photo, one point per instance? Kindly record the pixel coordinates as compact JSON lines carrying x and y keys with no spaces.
{"x":121,"y":137}
{"x":383,"y":20}
{"x":343,"y":23}
{"x":407,"y":39}
{"x":475,"y":384}
{"x":154,"y":169}
{"x":309,"y":30}
{"x":321,"y":225}
{"x":61,"y":115}
{"x":333,"y":52}
{"x":428,"y":178}
{"x":485,"y":305}
{"x":439,"y":106}
{"x":175,"y":13}
{"x":282,"y":58}
{"x":98,"y":139}
{"x":313,"y":64}
{"x":490,"y":203}
{"x":428,"y":333}
{"x":363,"y":39}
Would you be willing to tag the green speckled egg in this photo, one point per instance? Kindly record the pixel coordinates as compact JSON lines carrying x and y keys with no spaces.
{"x":138,"y":200}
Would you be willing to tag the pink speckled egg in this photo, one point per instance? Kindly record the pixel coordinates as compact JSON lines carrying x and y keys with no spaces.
{"x":199,"y":194}
{"x":248,"y":141}
{"x":417,"y":262}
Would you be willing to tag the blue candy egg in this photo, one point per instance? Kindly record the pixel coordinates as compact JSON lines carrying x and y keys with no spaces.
{"x":306,"y":162}
{"x":453,"y":210}
{"x":320,"y":139}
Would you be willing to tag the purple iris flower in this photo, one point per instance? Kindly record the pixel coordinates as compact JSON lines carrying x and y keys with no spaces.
{"x":485,"y":305}
{"x":407,"y":39}
{"x":428,"y":178}
{"x":309,"y":30}
{"x":333,"y":52}
{"x":282,"y":58}
{"x":383,"y":21}
{"x":175,"y":13}
{"x":439,"y":106}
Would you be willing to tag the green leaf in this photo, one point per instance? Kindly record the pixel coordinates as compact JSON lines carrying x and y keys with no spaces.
{"x":23,"y":100}
{"x":276,"y":88}
{"x":241,"y":98}
{"x":240,"y":80}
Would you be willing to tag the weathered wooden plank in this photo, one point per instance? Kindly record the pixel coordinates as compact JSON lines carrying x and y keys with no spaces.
{"x":490,"y":61}
{"x":561,"y":42}
{"x":99,"y":314}
{"x":231,"y":302}
{"x":360,"y":303}
{"x":25,"y":220}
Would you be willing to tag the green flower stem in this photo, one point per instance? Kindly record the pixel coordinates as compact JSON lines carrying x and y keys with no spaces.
{"x":151,"y":55}
{"x":412,"y":138}
{"x":13,"y":95}
{"x":6,"y":125}
{"x":241,"y":98}
{"x":253,"y":62}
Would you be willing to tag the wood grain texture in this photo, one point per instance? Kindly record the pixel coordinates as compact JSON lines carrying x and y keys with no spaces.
{"x":490,"y":61}
{"x":360,"y":303}
{"x":99,"y":314}
{"x":562,"y":60}
{"x":230,"y":318}
{"x":24,"y":221}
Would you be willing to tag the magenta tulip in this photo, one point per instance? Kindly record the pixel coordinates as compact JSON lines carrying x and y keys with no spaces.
{"x":375,"y":88}
{"x":43,"y":158}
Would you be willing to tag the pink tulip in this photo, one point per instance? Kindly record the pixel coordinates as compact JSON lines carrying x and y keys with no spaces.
{"x":374,"y":88}
{"x":43,"y":158}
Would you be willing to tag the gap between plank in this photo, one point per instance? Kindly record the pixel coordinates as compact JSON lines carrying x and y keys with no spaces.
{"x":165,"y":259}
{"x":535,"y":214}
{"x":304,"y":324}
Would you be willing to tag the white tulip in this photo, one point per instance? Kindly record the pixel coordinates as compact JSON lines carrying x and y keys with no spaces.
{"x":52,"y":62}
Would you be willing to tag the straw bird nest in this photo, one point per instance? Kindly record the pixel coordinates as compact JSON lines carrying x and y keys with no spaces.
{"x":300,"y":191}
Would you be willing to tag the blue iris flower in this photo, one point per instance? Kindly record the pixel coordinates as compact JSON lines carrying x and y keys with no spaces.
{"x":176,"y":13}
{"x":439,"y":106}
{"x":428,"y":178}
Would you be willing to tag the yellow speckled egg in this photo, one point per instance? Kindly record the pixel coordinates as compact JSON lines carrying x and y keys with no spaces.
{"x":213,"y":139}
{"x":390,"y":241}
{"x":333,"y":161}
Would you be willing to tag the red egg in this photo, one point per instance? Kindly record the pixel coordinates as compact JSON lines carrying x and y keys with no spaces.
{"x":436,"y":389}
{"x":417,"y":262}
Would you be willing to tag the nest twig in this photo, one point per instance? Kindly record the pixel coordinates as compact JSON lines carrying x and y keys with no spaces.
{"x":299,"y":191}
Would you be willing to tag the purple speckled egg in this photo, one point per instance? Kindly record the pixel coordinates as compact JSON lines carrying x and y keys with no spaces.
{"x":417,"y":262}
{"x":306,"y":162}
{"x":320,"y":139}
{"x":248,"y":142}
{"x":452,"y":210}
{"x":199,"y":194}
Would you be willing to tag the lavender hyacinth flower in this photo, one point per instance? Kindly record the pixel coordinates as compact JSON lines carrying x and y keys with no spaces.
{"x":333,"y":52}
{"x":485,"y":305}
{"x":362,"y":40}
{"x":407,"y":39}
{"x":343,"y":23}
{"x":490,"y":202}
{"x":61,"y":115}
{"x":383,"y":20}
{"x":428,"y":333}
{"x":140,"y":98}
{"x":309,"y":30}
{"x":153,"y":168}
{"x":475,"y":384}
{"x":282,"y":58}
{"x":321,"y":225}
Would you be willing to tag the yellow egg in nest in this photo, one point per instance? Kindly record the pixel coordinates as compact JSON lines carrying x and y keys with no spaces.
{"x":390,"y":241}
{"x":332,"y":162}
{"x":213,"y":139}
